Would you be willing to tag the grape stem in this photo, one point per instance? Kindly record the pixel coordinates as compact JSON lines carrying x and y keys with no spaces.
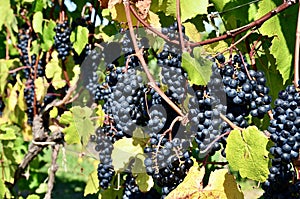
{"x":255,"y":24}
{"x":214,"y":141}
{"x":18,"y":69}
{"x":229,"y":34}
{"x":214,"y":163}
{"x":231,"y":124}
{"x":7,"y":44}
{"x":63,"y":66}
{"x":65,"y":100}
{"x":237,"y":42}
{"x":297,"y":52}
{"x":246,"y":69}
{"x":143,"y":63}
{"x":157,"y":32}
{"x":179,"y":24}
{"x":169,"y":130}
{"x":253,"y":52}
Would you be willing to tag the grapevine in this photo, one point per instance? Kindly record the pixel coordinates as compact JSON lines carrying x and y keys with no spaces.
{"x":168,"y":99}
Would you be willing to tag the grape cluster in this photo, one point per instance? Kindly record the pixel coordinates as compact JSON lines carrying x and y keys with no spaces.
{"x":132,"y":191}
{"x":285,"y":133}
{"x":172,"y":32}
{"x":62,"y":40}
{"x":29,"y":99}
{"x":128,"y":49}
{"x":246,"y":89}
{"x":33,"y":70}
{"x":128,"y":102}
{"x":168,"y":161}
{"x":104,"y":147}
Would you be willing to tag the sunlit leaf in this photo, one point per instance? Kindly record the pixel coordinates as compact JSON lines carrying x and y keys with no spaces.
{"x":246,"y":152}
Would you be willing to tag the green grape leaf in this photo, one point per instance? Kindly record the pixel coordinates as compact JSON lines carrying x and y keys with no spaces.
{"x":2,"y":189}
{"x":72,"y":70}
{"x":4,"y":72}
{"x":191,"y":8}
{"x":223,"y":185}
{"x":54,"y":71}
{"x":11,"y":21}
{"x":143,"y":180}
{"x":39,"y":5}
{"x":37,"y":22}
{"x":48,"y":35}
{"x":139,"y":137}
{"x":43,"y":187}
{"x":41,"y":86}
{"x":8,"y":132}
{"x":71,"y":134}
{"x":123,"y":151}
{"x":80,"y":125}
{"x":83,"y":122}
{"x":79,"y":38}
{"x":246,"y":152}
{"x":282,"y":47}
{"x":33,"y":196}
{"x":53,"y":113}
{"x":191,"y":184}
{"x":5,"y":8}
{"x":198,"y":68}
{"x":110,"y":193}
{"x":188,"y":8}
{"x":232,"y":17}
{"x":92,"y":185}
{"x":8,"y":165}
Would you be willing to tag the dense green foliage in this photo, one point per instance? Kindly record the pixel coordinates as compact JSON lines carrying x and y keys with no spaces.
{"x":98,"y":105}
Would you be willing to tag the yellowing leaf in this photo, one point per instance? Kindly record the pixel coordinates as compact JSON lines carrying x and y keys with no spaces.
{"x":13,"y":97}
{"x":188,"y":8}
{"x":54,"y":71}
{"x":153,"y":20}
{"x":192,"y":32}
{"x":118,"y":14}
{"x":223,"y":185}
{"x":112,"y":3}
{"x":92,"y":184}
{"x":101,"y":114}
{"x":123,"y":151}
{"x":41,"y":86}
{"x":191,"y":185}
{"x":21,"y":100}
{"x":247,"y":153}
